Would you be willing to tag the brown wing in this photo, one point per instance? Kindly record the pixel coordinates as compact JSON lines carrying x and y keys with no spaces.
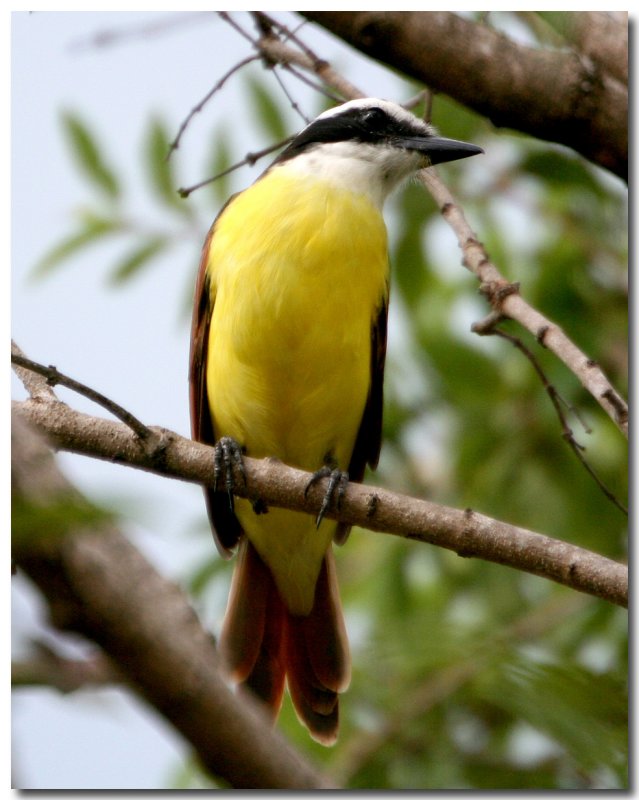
{"x":369,"y":436}
{"x":224,"y":523}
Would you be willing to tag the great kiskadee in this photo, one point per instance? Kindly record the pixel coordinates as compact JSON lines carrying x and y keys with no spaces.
{"x":287,"y":360}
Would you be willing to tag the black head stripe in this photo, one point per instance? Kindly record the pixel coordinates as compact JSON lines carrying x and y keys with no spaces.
{"x":370,"y":125}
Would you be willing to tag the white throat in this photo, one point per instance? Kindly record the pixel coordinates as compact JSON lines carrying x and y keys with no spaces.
{"x":365,"y":169}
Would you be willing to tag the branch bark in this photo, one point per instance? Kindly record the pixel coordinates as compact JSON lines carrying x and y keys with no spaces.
{"x":99,"y":585}
{"x":599,"y":35}
{"x":556,"y":95}
{"x":506,"y":300}
{"x":273,"y":483}
{"x":47,"y":668}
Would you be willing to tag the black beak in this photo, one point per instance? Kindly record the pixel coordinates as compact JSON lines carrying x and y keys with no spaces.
{"x":437,"y":148}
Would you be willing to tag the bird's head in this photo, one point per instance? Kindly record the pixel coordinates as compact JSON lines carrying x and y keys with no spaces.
{"x":369,"y":145}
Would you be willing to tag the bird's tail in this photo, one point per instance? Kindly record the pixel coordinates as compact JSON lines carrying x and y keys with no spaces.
{"x":263,"y":644}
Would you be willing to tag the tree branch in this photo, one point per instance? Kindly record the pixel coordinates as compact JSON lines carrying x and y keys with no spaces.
{"x":599,"y":35}
{"x":489,"y":327}
{"x":273,"y":48}
{"x":556,"y":95}
{"x":55,"y":378}
{"x":506,"y":300}
{"x":99,"y":585}
{"x":48,"y":668}
{"x":468,"y":533}
{"x":199,"y":106}
{"x":249,"y":159}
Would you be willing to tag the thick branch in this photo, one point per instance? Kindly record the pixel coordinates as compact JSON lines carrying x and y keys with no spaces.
{"x":600,"y":35}
{"x":47,"y":668}
{"x":466,"y":532}
{"x":98,"y":584}
{"x":555,"y":95}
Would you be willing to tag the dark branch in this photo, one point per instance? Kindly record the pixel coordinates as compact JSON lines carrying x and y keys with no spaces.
{"x":249,"y":159}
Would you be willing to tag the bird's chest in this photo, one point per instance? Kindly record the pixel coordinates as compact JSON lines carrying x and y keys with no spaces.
{"x":300,"y":272}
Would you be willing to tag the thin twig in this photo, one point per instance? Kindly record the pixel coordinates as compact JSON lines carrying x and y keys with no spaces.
{"x":318,"y":87}
{"x":506,"y":300}
{"x":111,"y":36}
{"x":249,"y":159}
{"x":277,"y":51}
{"x":416,"y":99}
{"x":293,"y":103}
{"x":556,"y":400}
{"x":55,"y":378}
{"x":226,"y":17}
{"x":198,"y":108}
{"x":270,"y":24}
{"x":35,"y":384}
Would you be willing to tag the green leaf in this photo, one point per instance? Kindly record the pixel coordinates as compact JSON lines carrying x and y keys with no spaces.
{"x":221,"y":160}
{"x":93,"y":229}
{"x":268,"y":113}
{"x":207,"y":572}
{"x":34,"y":523}
{"x":138,"y":258}
{"x":561,"y":171}
{"x":87,"y":154}
{"x":456,"y":121}
{"x":160,"y":168}
{"x":585,"y":713}
{"x":563,"y":22}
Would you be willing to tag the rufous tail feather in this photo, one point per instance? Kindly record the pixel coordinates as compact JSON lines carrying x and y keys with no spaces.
{"x":262,"y":644}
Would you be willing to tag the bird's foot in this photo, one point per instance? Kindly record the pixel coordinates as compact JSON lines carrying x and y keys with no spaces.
{"x":228,"y":461}
{"x":335,"y":490}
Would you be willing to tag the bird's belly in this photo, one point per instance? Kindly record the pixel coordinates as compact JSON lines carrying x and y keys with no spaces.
{"x":298,"y":400}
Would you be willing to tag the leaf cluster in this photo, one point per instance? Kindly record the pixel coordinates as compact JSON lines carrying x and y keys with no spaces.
{"x":107,"y":216}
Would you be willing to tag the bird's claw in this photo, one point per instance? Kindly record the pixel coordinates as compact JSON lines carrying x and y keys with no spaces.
{"x":335,"y":490}
{"x":227,"y":458}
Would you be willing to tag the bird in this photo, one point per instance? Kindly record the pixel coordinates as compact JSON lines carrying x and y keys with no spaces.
{"x":287,"y":354}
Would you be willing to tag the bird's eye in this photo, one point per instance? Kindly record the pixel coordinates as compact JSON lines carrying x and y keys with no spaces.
{"x":375,"y":117}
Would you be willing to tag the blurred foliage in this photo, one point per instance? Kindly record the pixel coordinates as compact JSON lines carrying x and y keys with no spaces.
{"x":88,"y":156}
{"x":467,"y":675}
{"x":109,"y":214}
{"x":36,"y":523}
